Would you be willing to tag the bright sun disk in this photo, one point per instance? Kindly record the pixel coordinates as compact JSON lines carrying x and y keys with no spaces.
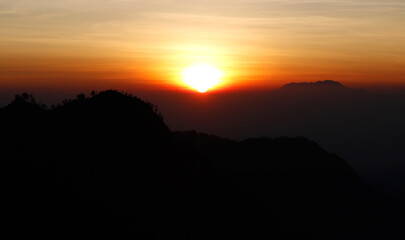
{"x":202,"y":77}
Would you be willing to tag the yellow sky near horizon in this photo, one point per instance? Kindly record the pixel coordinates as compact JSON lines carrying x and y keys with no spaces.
{"x":257,"y":43}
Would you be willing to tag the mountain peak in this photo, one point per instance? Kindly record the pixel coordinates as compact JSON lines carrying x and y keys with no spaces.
{"x":313,"y":85}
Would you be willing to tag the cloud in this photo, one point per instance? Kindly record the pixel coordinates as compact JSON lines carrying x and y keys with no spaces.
{"x":254,"y":31}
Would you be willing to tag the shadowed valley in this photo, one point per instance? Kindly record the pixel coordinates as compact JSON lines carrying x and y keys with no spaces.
{"x":365,"y":128}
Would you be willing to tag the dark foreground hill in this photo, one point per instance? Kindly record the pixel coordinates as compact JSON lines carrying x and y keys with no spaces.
{"x":108,"y":166}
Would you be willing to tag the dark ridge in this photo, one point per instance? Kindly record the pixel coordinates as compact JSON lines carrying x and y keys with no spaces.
{"x":113,"y":112}
{"x":108,"y":166}
{"x":24,"y":103}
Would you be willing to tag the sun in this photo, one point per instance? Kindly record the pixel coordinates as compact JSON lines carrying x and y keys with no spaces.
{"x":202,"y":77}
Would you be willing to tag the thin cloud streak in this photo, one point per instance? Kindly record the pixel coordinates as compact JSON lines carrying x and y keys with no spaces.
{"x":283,"y":37}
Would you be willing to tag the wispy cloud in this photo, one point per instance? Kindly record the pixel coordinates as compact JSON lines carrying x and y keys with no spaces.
{"x":259,"y":31}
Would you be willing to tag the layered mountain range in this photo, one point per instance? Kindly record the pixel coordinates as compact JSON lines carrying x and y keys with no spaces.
{"x":108,"y":165}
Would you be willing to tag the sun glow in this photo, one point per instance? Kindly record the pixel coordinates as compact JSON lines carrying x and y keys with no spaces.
{"x":202,"y":77}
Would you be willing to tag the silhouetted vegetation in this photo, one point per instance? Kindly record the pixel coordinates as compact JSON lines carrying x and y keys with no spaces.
{"x":108,"y":166}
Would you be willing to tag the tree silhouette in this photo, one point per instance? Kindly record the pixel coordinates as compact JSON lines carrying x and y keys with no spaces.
{"x":81,"y":97}
{"x":25,"y":97}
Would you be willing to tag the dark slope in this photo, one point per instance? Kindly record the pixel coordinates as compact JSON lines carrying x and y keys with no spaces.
{"x":109,"y":166}
{"x":307,"y":190}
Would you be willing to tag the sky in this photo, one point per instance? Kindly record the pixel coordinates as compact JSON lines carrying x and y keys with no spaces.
{"x":80,"y":44}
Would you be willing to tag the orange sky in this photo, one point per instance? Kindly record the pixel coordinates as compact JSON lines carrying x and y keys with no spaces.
{"x":258,"y":44}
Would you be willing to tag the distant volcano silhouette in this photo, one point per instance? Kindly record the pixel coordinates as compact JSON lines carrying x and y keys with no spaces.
{"x":318,"y":84}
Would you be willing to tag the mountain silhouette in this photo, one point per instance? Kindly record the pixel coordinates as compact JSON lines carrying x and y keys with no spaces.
{"x":321,"y":89}
{"x":319,"y":84}
{"x":108,"y":165}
